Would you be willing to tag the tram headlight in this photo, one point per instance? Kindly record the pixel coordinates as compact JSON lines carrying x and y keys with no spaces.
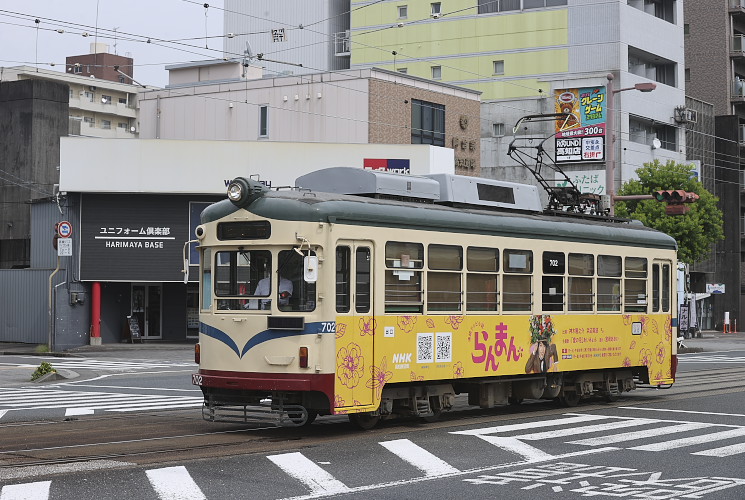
{"x":236,"y":191}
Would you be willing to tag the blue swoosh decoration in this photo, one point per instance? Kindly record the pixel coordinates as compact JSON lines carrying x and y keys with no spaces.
{"x":259,"y":338}
{"x":218,"y":334}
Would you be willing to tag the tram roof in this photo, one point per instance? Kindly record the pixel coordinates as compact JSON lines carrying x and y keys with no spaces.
{"x":311,"y":206}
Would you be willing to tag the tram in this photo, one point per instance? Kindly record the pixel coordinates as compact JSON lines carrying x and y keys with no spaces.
{"x":396,"y":298}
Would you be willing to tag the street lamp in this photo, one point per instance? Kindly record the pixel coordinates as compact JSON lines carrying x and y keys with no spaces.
{"x":610,"y":164}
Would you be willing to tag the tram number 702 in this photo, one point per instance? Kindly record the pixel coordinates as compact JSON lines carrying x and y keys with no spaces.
{"x":328,"y":327}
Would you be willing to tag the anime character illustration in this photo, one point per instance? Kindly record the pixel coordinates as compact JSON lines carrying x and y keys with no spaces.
{"x":543,"y":354}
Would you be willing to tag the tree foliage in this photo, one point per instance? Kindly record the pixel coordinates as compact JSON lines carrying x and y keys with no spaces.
{"x":694,"y":231}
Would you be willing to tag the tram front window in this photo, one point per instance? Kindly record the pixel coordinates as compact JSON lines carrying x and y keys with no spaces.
{"x":302,"y":297}
{"x":238,"y":275}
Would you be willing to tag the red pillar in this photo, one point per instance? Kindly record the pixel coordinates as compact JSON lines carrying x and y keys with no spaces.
{"x":96,"y":310}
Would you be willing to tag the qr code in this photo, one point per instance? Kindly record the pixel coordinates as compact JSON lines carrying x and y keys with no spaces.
{"x":425,"y":343}
{"x":444,"y":350}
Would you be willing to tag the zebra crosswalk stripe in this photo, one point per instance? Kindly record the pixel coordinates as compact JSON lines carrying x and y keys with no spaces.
{"x":636,"y":435}
{"x":690,"y":441}
{"x":311,"y":475}
{"x":27,"y":491}
{"x":419,"y":457}
{"x":587,"y":429}
{"x":174,"y":483}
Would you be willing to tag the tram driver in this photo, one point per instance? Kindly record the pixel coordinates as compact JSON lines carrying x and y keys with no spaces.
{"x":263,"y":289}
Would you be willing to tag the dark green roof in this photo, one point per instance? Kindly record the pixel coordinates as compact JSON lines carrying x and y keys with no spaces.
{"x":355,"y":210}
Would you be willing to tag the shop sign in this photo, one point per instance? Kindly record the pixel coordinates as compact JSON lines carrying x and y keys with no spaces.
{"x":580,"y":136}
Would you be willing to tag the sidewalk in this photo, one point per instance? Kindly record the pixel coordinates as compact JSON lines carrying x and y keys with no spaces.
{"x":10,"y":348}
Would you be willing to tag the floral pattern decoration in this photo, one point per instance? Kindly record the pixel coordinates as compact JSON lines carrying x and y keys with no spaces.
{"x":350,"y":365}
{"x":380,"y":375}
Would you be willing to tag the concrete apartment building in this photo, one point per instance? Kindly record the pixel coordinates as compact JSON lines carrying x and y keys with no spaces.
{"x":715,"y":74}
{"x":363,"y":106}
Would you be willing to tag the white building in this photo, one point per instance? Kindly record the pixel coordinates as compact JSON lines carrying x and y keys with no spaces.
{"x":98,"y":108}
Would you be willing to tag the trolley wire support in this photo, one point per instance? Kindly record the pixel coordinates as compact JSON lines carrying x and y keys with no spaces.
{"x":563,"y":194}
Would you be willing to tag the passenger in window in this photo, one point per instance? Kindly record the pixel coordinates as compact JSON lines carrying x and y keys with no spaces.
{"x":263,"y":288}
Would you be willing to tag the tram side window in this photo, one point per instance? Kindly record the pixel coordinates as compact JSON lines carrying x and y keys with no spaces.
{"x":517,"y":292}
{"x":302,"y":295}
{"x":554,"y":266}
{"x":655,"y":288}
{"x":343,"y":292}
{"x":445,"y":263}
{"x":581,"y":271}
{"x":609,"y":283}
{"x":403,"y":277}
{"x":237,"y":274}
{"x":362,"y":280}
{"x":635,"y":284}
{"x":666,"y":287}
{"x":206,"y":261}
{"x":481,"y":280}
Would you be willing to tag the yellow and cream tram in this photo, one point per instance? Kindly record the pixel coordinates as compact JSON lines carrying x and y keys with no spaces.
{"x":317,"y":303}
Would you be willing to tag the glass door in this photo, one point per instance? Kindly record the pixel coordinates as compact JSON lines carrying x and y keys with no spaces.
{"x":147,"y":307}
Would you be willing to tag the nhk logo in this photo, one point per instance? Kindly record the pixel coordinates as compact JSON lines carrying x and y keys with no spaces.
{"x":402,"y":358}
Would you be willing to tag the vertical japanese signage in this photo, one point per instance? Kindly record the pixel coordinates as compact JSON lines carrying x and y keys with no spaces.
{"x":580,"y":136}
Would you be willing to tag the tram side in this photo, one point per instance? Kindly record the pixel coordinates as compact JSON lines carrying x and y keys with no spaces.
{"x":394,"y":309}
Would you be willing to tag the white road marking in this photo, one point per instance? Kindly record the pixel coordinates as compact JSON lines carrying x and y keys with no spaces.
{"x":28,"y":491}
{"x":311,"y":475}
{"x":419,"y":457}
{"x":690,"y":441}
{"x":43,"y":470}
{"x":587,"y":429}
{"x":682,"y":411}
{"x":78,"y":411}
{"x":634,"y":436}
{"x":724,"y":451}
{"x":532,"y":425}
{"x":174,"y":483}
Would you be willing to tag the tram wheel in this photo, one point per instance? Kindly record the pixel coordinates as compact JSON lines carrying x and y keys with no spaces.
{"x":434,"y":417}
{"x":364,"y":421}
{"x":569,"y":399}
{"x":297,"y":418}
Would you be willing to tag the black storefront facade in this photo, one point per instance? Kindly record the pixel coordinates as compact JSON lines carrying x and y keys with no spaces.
{"x":131,"y":249}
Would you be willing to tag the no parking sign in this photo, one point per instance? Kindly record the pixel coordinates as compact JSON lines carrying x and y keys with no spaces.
{"x":64,"y":229}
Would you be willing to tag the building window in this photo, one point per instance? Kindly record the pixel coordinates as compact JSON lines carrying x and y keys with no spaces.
{"x":538,"y":4}
{"x":427,"y":123}
{"x":437,"y":72}
{"x":121,"y":125}
{"x":688,"y":74}
{"x":89,"y":96}
{"x":90,"y":121}
{"x":653,"y":67}
{"x":77,"y":68}
{"x":122,"y":100}
{"x":106,"y":124}
{"x":498,"y":67}
{"x":492,"y":6}
{"x":106,"y":99}
{"x":686,"y":29}
{"x":263,"y":121}
{"x":498,"y":129}
{"x":436,"y":9}
{"x":645,"y":132}
{"x":403,"y":70}
{"x":403,"y":11}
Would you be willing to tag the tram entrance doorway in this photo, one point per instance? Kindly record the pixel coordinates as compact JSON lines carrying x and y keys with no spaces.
{"x":354,"y":304}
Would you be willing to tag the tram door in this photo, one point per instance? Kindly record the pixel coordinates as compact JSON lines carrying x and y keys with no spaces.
{"x":354,"y":306}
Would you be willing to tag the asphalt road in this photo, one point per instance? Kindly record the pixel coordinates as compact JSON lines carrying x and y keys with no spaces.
{"x":684,"y":442}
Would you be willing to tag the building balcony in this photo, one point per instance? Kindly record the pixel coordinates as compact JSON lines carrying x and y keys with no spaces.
{"x":96,"y":106}
{"x":737,"y":7}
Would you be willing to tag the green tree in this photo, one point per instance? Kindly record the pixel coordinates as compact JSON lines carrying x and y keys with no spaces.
{"x":694,"y":231}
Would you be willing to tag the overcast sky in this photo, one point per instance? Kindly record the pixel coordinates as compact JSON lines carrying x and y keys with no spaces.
{"x":181,"y":22}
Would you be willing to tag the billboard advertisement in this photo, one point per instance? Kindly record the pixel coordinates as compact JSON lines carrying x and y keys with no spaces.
{"x":580,"y":136}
